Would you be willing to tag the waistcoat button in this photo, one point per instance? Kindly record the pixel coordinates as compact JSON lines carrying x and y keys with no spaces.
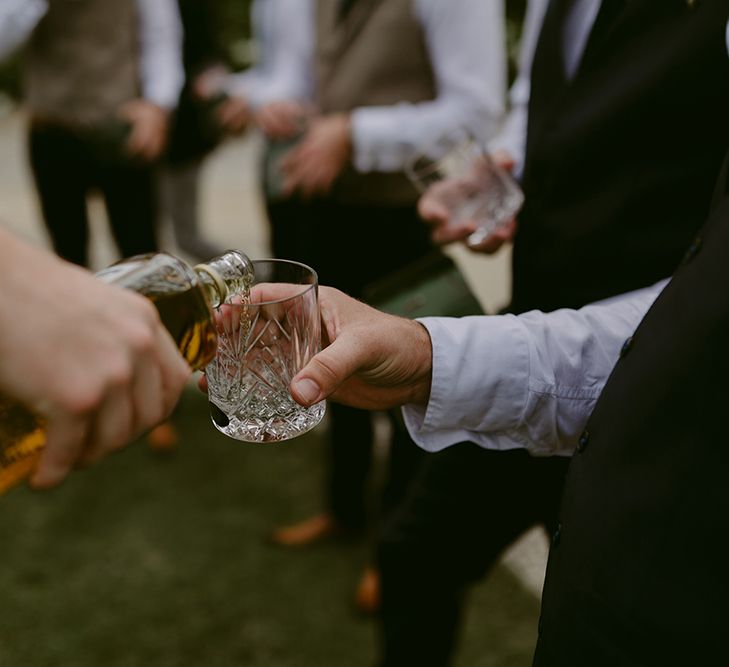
{"x":557,"y":535}
{"x":583,"y":441}
{"x":626,"y":347}
{"x":692,"y":250}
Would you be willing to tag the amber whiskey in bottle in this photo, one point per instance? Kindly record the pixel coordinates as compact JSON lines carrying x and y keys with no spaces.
{"x":184,"y":297}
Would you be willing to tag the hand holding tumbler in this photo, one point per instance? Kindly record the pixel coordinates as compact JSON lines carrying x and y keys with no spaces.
{"x":459,"y":175}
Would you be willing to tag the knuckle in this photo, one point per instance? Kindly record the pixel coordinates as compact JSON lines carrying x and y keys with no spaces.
{"x":80,"y":401}
{"x":147,"y":312}
{"x":119,"y":441}
{"x":156,"y":412}
{"x":118,"y":373}
{"x":142,"y":339}
{"x":60,"y":460}
{"x":182,"y":376}
{"x":326,"y":371}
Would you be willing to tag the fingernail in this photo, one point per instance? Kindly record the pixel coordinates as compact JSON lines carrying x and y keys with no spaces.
{"x":307,"y":390}
{"x":39,"y":481}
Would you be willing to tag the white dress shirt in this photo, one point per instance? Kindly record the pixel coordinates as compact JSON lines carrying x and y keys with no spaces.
{"x":283,"y":30}
{"x":528,"y":381}
{"x":162,"y":73}
{"x":466,"y":44}
{"x":161,"y":69}
{"x":577,"y":27}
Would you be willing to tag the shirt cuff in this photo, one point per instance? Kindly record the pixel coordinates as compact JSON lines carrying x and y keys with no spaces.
{"x":375,"y":141}
{"x":480,"y":383}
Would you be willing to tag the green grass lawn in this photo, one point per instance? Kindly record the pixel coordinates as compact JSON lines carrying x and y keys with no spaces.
{"x":161,"y":561}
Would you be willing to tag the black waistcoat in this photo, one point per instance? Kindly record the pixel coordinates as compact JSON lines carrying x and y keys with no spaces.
{"x":621,"y":160}
{"x":639,"y":566}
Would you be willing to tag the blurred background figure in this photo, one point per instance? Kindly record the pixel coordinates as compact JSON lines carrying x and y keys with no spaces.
{"x":100,"y":81}
{"x":388,"y":77}
{"x":279,"y":79}
{"x":195,"y":130}
{"x":281,"y":69}
{"x":217,"y":102}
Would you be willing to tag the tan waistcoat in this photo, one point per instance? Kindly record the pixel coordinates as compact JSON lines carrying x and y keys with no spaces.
{"x":376,"y":56}
{"x":82,"y":61}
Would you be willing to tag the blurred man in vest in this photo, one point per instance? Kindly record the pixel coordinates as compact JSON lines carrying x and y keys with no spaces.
{"x":388,"y":77}
{"x":101,"y":79}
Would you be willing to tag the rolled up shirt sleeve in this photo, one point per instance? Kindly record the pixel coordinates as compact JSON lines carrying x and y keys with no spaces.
{"x":528,"y":381}
{"x":285,"y":30}
{"x":162,"y":72}
{"x":466,"y":44}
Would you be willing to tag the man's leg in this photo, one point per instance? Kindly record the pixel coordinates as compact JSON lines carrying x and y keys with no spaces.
{"x":464,"y":508}
{"x":349,"y":246}
{"x":131,"y":201}
{"x":60,"y":173}
{"x":404,"y":461}
{"x":179,"y":189}
{"x":311,"y":232}
{"x":351,"y":446}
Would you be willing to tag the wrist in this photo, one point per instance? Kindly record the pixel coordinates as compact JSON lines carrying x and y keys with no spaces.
{"x":345,"y":129}
{"x":423,"y":366}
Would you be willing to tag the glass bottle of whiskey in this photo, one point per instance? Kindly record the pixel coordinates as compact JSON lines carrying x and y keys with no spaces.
{"x":184,"y":297}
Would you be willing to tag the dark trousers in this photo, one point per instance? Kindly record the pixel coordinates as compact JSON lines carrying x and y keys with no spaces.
{"x":350,"y":247}
{"x":67,"y":165}
{"x":463,"y":509}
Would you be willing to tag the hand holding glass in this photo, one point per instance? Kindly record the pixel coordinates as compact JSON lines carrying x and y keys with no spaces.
{"x":458,"y":174}
{"x":263,"y":342}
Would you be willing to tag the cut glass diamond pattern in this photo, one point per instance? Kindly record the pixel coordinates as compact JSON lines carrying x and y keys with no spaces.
{"x":260,"y":349}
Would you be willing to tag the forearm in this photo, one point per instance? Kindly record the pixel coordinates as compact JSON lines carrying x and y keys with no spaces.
{"x":466,"y":47}
{"x":285,"y":30}
{"x":260,"y":88}
{"x":15,"y":254}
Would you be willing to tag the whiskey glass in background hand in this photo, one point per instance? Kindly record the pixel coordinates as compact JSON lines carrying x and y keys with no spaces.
{"x":458,"y":173}
{"x":263,"y":342}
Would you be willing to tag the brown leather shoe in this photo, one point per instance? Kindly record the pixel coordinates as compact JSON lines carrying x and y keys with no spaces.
{"x":163,"y":438}
{"x":367,"y":593}
{"x":309,"y":531}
